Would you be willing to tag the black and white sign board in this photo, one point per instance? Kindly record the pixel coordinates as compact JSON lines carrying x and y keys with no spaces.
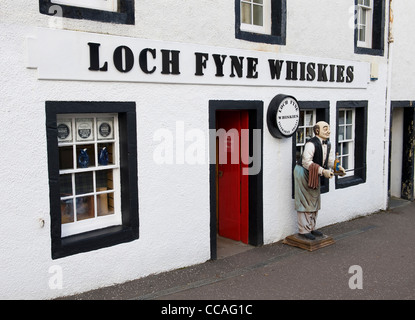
{"x":72,"y":55}
{"x":283,"y":116}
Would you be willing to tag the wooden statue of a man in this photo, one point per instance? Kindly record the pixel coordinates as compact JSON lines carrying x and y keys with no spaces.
{"x":316,"y":161}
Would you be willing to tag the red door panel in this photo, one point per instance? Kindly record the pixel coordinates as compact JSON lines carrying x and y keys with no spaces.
{"x":232,"y":185}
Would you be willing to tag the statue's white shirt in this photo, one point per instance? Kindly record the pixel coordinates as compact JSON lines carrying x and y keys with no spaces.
{"x":308,"y":155}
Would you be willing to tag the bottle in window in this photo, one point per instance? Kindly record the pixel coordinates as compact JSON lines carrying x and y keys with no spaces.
{"x":83,"y":159}
{"x":336,"y":166}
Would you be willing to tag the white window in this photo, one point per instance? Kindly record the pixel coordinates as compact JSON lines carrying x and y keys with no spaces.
{"x":89,"y":172}
{"x":305,"y":129}
{"x":346,"y":139}
{"x":364,"y":23}
{"x":256,"y":16}
{"x":106,"y":5}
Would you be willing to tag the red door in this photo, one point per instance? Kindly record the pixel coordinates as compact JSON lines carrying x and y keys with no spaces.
{"x":232,"y":184}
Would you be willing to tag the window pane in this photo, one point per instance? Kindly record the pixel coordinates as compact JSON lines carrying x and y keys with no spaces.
{"x":341,"y":117}
{"x":348,"y":132}
{"x":309,"y":133}
{"x":64,"y":130}
{"x":65,"y":185}
{"x":349,"y":117}
{"x":104,"y":180}
{"x":345,"y":150}
{"x":83,"y":183}
{"x":107,"y":5}
{"x":301,"y":123}
{"x":259,"y":1}
{"x":362,"y":19}
{"x":65,"y":158}
{"x":341,"y":133}
{"x":84,"y":129}
{"x":258,"y":15}
{"x":85,"y":208}
{"x":105,"y":128}
{"x":309,"y":121}
{"x":362,"y":34}
{"x":246,"y":13}
{"x":105,"y":204}
{"x":345,"y":162}
{"x":67,"y":215}
{"x":300,"y":136}
{"x":105,"y":154}
{"x":86,"y":156}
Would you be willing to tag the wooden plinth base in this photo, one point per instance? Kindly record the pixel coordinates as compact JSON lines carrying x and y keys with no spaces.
{"x":296,"y":240}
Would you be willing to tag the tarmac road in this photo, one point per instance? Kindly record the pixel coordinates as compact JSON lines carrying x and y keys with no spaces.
{"x":372,"y":259}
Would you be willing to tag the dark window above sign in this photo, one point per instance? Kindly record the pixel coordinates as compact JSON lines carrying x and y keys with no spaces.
{"x":261,"y":21}
{"x":114,"y":11}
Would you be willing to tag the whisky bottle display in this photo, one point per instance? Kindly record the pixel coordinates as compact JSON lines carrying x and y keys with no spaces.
{"x":336,"y":164}
{"x":336,"y":167}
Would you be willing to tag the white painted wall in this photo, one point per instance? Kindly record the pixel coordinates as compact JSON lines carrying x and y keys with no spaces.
{"x":403,"y":65}
{"x":173,"y":199}
{"x":397,"y":152}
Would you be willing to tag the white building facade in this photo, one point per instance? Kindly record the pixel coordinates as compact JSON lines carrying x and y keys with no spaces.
{"x":120,"y":121}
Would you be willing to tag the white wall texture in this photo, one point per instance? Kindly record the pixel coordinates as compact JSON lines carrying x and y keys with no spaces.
{"x":396,"y":152}
{"x":173,"y":199}
{"x":403,"y":64}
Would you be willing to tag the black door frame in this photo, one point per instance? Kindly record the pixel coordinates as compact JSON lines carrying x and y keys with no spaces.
{"x":256,"y":117}
{"x":408,"y":157}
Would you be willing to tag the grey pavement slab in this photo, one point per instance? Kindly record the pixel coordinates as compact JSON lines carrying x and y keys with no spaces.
{"x":381,"y":245}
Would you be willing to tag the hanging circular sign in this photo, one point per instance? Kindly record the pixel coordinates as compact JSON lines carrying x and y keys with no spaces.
{"x":283,"y":116}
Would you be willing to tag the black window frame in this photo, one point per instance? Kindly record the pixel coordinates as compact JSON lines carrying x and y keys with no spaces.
{"x":278,"y":24}
{"x":322,"y":114}
{"x":106,"y":237}
{"x":378,"y":31}
{"x":125,"y":14}
{"x":360,"y":166}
